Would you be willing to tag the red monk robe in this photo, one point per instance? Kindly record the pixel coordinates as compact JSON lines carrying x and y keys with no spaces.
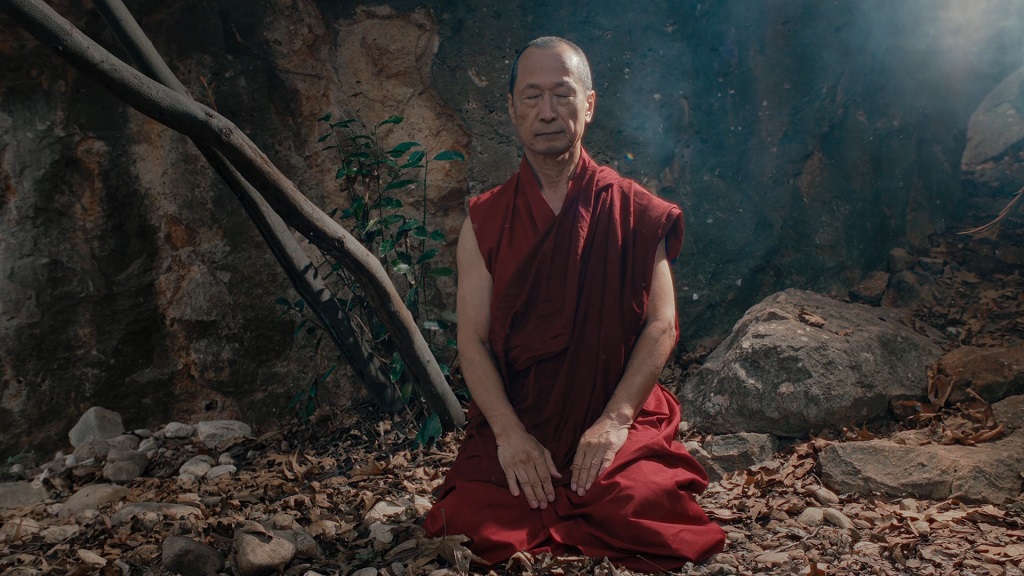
{"x":568,"y":303}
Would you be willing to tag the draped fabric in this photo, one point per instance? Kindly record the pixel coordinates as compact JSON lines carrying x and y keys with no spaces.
{"x":568,"y":302}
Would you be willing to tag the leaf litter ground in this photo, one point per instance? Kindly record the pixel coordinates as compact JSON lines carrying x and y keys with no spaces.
{"x":360,"y":485}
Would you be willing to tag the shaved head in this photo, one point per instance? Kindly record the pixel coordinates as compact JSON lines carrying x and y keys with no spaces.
{"x":578,"y":64}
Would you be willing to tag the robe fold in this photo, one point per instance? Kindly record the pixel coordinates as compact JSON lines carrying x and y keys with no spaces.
{"x":568,"y":303}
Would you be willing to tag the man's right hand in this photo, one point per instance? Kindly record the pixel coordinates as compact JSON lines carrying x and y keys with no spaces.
{"x":528,"y":465}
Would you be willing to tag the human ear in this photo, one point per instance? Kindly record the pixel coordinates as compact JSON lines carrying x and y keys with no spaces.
{"x":591,"y":101}
{"x":511,"y":108}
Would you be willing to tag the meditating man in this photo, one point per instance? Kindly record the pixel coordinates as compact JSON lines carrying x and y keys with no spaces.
{"x":566,"y":317}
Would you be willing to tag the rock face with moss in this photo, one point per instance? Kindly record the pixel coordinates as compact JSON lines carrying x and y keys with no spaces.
{"x":803,"y":140}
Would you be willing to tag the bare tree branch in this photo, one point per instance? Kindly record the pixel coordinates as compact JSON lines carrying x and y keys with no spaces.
{"x":296,"y":264}
{"x":210,"y":128}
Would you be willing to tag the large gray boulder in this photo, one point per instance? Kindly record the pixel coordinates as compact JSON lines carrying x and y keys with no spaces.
{"x":799,"y":362}
{"x":989,"y":472}
{"x":96,"y":424}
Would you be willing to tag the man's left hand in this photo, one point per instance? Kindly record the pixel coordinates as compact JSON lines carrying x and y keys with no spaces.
{"x":595,"y":452}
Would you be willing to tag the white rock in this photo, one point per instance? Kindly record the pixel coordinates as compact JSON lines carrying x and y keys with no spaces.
{"x":811,"y":516}
{"x":96,"y":424}
{"x":825,"y":496}
{"x":837,"y":518}
{"x":92,"y":497}
{"x":259,"y":554}
{"x":198,"y":466}
{"x":217,"y":432}
{"x":179,"y":430}
{"x":143,"y":432}
{"x":148,"y":445}
{"x":20,"y":494}
{"x":222,"y":470}
{"x":225,"y":458}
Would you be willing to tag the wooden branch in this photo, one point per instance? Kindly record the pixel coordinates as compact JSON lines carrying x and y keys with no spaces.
{"x":210,"y":128}
{"x":1005,"y":213}
{"x":293,"y":260}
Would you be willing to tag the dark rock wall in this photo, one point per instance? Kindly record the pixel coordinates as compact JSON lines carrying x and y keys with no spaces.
{"x":803,"y":139}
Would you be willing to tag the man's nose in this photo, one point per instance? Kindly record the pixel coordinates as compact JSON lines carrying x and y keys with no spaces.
{"x":547,"y":108}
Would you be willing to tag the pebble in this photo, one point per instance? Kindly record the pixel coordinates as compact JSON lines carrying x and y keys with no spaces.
{"x":225,"y":458}
{"x":922,"y":527}
{"x":825,"y":496}
{"x":190,"y":558}
{"x":124,"y":465}
{"x":258,"y":554}
{"x":91,"y":498}
{"x":148,"y":445}
{"x":811,"y":516}
{"x":124,"y":442}
{"x":837,"y":518}
{"x":143,"y":432}
{"x":17,"y":470}
{"x":772,"y":558}
{"x":20,"y":494}
{"x":217,"y":432}
{"x":197,"y":466}
{"x":222,"y":470}
{"x":179,"y":430}
{"x":908,"y":505}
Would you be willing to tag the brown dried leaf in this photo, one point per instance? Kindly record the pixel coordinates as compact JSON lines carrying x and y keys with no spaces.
{"x":811,"y":319}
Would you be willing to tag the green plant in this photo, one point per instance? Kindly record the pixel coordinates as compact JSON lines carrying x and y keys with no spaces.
{"x":381,"y":186}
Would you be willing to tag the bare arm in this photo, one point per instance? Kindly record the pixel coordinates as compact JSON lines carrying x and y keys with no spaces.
{"x":600,"y":443}
{"x":527,"y":464}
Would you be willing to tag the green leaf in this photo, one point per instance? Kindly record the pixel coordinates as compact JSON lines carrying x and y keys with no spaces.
{"x":328,"y":373}
{"x":391,"y":120}
{"x":392,"y":219}
{"x":419,"y":232}
{"x":402,"y":148}
{"x":447,"y":155}
{"x":282,"y":302}
{"x":442,"y":272}
{"x":311,"y":330}
{"x":298,"y":329}
{"x":359,"y":155}
{"x":427,"y":256}
{"x":404,"y":258}
{"x":390,"y":203}
{"x":411,"y":299}
{"x":400,"y":267}
{"x":387,"y":246}
{"x":451,"y":343}
{"x":325,"y":118}
{"x":406,"y":392}
{"x":324,"y":137}
{"x":343,"y":123}
{"x":445,"y":369}
{"x":300,"y":305}
{"x":409,"y":224}
{"x":430,"y":431}
{"x":397,"y":366}
{"x":437,"y":236}
{"x":400,"y":184}
{"x":414,"y":160}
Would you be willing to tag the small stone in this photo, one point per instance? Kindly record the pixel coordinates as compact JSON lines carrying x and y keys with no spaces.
{"x":92,"y":497}
{"x":284,"y":521}
{"x":143,"y":433}
{"x":871,"y":289}
{"x":96,"y":424}
{"x":186,"y":480}
{"x":772,"y":558}
{"x":217,"y":432}
{"x":305,"y":546}
{"x":17,"y":470}
{"x":178,"y":430}
{"x":225,"y":458}
{"x":124,"y":442}
{"x":218,"y":471}
{"x":124,"y":465}
{"x":158,"y":510}
{"x":825,"y":496}
{"x":148,"y":445}
{"x":262,"y":554}
{"x":365,"y":572}
{"x":197,"y":466}
{"x":21,"y":494}
{"x":908,"y":505}
{"x":94,"y":450}
{"x":719,"y":569}
{"x":190,"y":558}
{"x":900,"y":260}
{"x":922,"y":527}
{"x":837,"y":518}
{"x":811,"y":517}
